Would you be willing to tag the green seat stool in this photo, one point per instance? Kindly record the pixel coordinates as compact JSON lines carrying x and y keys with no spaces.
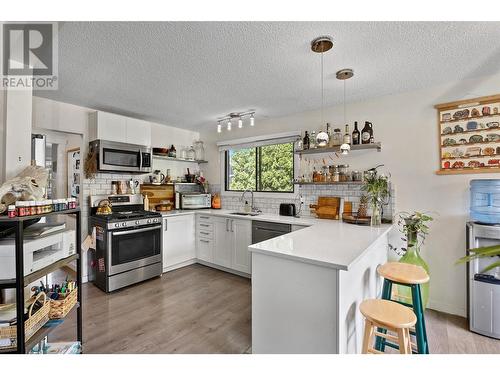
{"x":411,"y":276}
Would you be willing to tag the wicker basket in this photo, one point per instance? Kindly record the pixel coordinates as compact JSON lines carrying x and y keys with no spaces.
{"x":59,"y":308}
{"x":31,"y":325}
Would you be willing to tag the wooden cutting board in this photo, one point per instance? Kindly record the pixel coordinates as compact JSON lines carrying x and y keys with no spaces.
{"x":327,"y":208}
{"x":158,"y":193}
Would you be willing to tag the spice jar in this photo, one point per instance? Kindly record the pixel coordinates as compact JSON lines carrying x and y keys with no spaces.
{"x":38,"y":207}
{"x":32,"y":208}
{"x":357,"y":176}
{"x":21,"y":208}
{"x":11,"y":211}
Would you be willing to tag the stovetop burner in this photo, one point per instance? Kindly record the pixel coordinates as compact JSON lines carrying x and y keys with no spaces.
{"x":128,"y":215}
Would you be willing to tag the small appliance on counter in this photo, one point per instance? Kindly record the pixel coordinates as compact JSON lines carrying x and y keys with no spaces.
{"x":128,"y":242}
{"x":192,"y":201}
{"x":288,"y":209}
{"x":484,"y":288}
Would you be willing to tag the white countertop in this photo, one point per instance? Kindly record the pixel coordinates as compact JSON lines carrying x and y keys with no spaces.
{"x":329,"y":243}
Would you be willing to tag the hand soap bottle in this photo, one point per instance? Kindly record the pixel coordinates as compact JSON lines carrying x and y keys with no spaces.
{"x":247,"y":207}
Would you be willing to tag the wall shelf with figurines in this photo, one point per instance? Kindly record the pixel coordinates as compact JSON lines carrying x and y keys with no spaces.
{"x":469,"y":136}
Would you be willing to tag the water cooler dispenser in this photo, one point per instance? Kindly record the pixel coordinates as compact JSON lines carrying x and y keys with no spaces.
{"x":484,"y":230}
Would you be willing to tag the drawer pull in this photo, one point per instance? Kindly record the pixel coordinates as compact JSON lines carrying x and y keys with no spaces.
{"x":204,"y":225}
{"x":206,"y":233}
{"x":204,"y":217}
{"x":207,"y":241}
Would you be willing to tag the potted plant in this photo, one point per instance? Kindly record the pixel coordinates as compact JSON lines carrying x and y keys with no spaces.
{"x":483,"y":252}
{"x":377,"y":189}
{"x":415,"y":228}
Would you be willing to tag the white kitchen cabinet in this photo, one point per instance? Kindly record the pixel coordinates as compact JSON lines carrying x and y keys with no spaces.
{"x":223,"y":242}
{"x":138,"y":131}
{"x":178,"y":241}
{"x":117,"y":128}
{"x":241,"y":233}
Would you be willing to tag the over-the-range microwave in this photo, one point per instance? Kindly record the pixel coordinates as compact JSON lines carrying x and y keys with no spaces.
{"x":121,"y":157}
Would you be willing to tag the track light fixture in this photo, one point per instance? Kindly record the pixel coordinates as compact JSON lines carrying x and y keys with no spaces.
{"x":236,"y":116}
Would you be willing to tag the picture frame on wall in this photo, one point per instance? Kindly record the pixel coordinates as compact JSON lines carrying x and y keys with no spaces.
{"x":74,"y":172}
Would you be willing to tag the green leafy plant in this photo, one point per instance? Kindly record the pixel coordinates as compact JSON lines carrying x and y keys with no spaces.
{"x":482,"y":252}
{"x":377,"y":188}
{"x":414,"y":226}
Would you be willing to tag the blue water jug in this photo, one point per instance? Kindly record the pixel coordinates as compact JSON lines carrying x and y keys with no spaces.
{"x":485,"y":201}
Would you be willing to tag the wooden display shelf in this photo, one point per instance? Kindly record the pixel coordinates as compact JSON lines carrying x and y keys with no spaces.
{"x":323,"y":150}
{"x":163,"y":157}
{"x":471,"y":144}
{"x":470,"y":118}
{"x":468,"y":170}
{"x":471,"y":131}
{"x":470,"y":157}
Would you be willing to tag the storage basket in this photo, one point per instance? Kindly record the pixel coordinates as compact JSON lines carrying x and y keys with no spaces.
{"x":59,"y":308}
{"x":34,"y":322}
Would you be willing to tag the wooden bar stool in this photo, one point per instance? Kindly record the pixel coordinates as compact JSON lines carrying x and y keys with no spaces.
{"x":411,"y":276}
{"x":390,"y":316}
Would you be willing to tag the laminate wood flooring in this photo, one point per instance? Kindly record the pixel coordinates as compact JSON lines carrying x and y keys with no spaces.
{"x":197,"y":309}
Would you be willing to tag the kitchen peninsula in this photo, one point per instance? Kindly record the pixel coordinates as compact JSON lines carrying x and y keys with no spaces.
{"x":307,"y":286}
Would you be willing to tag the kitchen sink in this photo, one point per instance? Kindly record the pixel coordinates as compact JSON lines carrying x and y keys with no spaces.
{"x":245,"y":213}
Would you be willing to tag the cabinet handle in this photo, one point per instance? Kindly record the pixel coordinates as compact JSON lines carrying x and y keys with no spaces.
{"x":166,"y":225}
{"x":204,"y":217}
{"x":207,"y":241}
{"x":206,"y":233}
{"x":204,"y":225}
{"x":232,"y":225}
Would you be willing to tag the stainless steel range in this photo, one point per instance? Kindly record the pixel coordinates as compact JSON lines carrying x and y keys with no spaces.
{"x":128,"y":242}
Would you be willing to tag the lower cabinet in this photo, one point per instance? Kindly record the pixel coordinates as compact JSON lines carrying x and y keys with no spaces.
{"x":226,"y":243}
{"x":178,"y":241}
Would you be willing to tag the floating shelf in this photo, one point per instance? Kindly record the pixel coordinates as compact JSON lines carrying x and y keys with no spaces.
{"x":471,"y":131}
{"x":162,"y":157}
{"x":493,"y":169}
{"x":330,"y":183}
{"x":323,"y":150}
{"x":469,"y":118}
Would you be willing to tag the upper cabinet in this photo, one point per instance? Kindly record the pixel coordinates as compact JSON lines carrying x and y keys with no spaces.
{"x":112,"y":127}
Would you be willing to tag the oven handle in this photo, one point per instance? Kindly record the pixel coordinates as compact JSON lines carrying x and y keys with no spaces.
{"x":136,"y":230}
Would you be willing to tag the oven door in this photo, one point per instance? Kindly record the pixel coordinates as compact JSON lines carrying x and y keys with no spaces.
{"x":133,"y":248}
{"x":115,"y":156}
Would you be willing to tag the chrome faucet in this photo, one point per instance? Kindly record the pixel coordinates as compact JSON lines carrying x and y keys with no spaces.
{"x":242,"y":199}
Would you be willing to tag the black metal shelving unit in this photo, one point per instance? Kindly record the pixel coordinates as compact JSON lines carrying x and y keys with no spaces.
{"x":21,"y":280}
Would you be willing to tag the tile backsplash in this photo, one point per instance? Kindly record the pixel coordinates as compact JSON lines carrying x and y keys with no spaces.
{"x":310,"y":194}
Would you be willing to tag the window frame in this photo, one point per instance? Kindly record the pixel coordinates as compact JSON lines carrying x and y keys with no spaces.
{"x":258,"y":152}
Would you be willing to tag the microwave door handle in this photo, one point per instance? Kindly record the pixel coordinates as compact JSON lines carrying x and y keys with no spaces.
{"x":140,"y":159}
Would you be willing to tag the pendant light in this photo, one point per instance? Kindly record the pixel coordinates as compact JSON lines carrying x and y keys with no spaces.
{"x":219,"y":127}
{"x":344,"y":75}
{"x":229,"y":125}
{"x":252,"y":120}
{"x":240,"y":123}
{"x":321,"y":45}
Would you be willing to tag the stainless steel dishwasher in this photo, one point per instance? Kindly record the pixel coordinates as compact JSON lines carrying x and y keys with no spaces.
{"x":264,"y":230}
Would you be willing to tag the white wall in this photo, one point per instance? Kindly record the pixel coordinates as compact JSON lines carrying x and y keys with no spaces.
{"x":406,"y":124}
{"x":2,"y":135}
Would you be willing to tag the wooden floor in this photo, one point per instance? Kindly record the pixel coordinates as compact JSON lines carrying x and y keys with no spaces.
{"x":197,"y":309}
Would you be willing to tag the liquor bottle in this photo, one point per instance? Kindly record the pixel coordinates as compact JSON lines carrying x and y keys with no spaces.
{"x":305,"y":142}
{"x":372,"y":139}
{"x":347,"y":135}
{"x":312,"y":140}
{"x":355,"y":134}
{"x":366,"y":133}
{"x":330,"y":134}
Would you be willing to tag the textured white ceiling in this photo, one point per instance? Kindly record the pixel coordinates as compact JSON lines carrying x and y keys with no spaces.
{"x":187,"y":74}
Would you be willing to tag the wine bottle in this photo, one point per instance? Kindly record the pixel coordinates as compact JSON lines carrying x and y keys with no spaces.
{"x":347,"y":135}
{"x":312,"y":140}
{"x":366,"y":133}
{"x":355,"y":134}
{"x":306,"y":141}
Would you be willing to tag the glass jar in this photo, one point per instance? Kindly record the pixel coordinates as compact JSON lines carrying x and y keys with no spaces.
{"x":11,"y":211}
{"x":183,"y":154}
{"x":357,"y":176}
{"x":322,"y":139}
{"x":199,"y":150}
{"x":21,"y":208}
{"x":337,"y":137}
{"x":191,"y":153}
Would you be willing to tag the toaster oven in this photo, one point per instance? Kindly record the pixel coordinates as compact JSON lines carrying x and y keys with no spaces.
{"x":193,"y":201}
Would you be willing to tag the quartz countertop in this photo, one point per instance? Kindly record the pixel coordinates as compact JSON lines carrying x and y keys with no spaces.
{"x":329,"y":243}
